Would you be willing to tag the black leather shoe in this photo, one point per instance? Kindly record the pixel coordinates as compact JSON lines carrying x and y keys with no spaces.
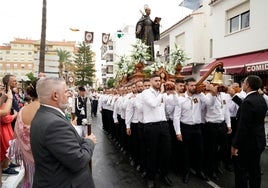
{"x":143,"y":175}
{"x":10,"y":171}
{"x":150,"y":184}
{"x":167,"y":181}
{"x":13,"y":165}
{"x":138,"y":168}
{"x":132,"y":163}
{"x":202,"y":176}
{"x":186,"y":178}
{"x":215,"y":177}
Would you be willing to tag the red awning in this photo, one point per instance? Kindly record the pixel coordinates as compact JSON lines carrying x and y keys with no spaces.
{"x":237,"y":64}
{"x":187,"y":70}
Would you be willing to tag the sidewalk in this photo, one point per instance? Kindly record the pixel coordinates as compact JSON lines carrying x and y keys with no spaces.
{"x":12,"y":181}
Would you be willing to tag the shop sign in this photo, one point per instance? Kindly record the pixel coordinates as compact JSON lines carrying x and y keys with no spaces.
{"x":257,"y":67}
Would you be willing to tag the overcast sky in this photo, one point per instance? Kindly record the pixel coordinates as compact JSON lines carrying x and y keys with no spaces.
{"x":22,"y":18}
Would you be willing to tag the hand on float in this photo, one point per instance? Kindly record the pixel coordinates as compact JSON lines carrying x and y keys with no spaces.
{"x":162,"y":88}
{"x":231,"y":91}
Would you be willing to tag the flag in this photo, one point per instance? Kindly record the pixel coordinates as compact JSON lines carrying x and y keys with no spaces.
{"x":190,"y":4}
{"x":89,"y":37}
{"x":105,"y":38}
{"x":74,"y":29}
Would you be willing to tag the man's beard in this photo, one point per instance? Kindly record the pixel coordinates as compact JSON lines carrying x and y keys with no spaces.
{"x":63,"y":106}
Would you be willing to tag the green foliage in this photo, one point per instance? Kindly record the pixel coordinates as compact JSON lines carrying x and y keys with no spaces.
{"x":84,"y":65}
{"x":64,"y":57}
{"x":31,"y":77}
{"x":100,"y":89}
{"x":110,"y":83}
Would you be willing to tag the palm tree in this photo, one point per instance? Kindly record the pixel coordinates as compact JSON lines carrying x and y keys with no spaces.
{"x":64,"y":57}
{"x":43,"y":38}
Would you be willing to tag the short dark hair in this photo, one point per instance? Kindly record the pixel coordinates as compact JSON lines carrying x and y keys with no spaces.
{"x":190,"y":80}
{"x":81,"y":88}
{"x":254,"y":82}
{"x":146,"y":80}
{"x":179,"y":81}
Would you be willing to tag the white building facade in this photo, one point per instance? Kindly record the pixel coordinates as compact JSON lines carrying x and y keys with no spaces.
{"x":233,"y":32}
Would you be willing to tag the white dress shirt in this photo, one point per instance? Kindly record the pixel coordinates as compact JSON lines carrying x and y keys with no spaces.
{"x":170,"y":102}
{"x":189,"y":110}
{"x":132,"y":115}
{"x":153,"y":106}
{"x":138,"y":105}
{"x":218,"y":110}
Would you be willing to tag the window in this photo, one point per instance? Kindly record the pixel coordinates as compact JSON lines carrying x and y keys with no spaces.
{"x":29,"y":53}
{"x":210,"y":48}
{"x":234,"y":24}
{"x":245,"y":20}
{"x":239,"y":22}
{"x":237,"y":18}
{"x":110,"y":69}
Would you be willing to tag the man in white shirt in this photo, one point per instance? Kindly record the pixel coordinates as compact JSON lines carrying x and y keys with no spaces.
{"x":187,"y":123}
{"x":156,"y":130}
{"x":217,"y":126}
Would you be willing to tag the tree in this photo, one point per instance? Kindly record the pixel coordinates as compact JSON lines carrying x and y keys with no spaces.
{"x":43,"y":38}
{"x":84,"y":66}
{"x":64,"y":57}
{"x":110,"y":83}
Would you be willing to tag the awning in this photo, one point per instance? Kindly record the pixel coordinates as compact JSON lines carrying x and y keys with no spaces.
{"x":243,"y":63}
{"x":187,"y":70}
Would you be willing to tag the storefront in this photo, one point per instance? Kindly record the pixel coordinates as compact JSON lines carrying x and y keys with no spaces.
{"x":242,"y":65}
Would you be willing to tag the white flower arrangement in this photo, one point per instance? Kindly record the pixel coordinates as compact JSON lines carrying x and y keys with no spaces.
{"x":154,"y":67}
{"x":125,"y":66}
{"x":178,"y":56}
{"x":170,"y":68}
{"x":140,"y":52}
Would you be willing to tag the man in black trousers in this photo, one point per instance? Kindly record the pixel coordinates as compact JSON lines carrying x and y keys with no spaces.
{"x":156,"y":132}
{"x":249,"y":141}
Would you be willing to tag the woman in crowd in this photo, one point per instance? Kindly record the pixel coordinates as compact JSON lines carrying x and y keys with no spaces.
{"x":6,"y":132}
{"x":21,"y":147}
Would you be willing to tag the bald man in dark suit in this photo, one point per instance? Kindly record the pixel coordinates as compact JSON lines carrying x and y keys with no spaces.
{"x":61,"y":156}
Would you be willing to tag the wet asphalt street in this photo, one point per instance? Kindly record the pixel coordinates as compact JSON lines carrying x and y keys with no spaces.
{"x":111,"y":168}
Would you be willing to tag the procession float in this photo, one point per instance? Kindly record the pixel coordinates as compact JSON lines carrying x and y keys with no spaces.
{"x":137,"y":67}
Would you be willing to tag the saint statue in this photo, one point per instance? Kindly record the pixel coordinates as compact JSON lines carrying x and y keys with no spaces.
{"x":148,"y":30}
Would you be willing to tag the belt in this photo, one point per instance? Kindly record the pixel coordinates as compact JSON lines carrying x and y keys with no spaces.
{"x":155,"y":123}
{"x":216,"y":124}
{"x":195,"y":126}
